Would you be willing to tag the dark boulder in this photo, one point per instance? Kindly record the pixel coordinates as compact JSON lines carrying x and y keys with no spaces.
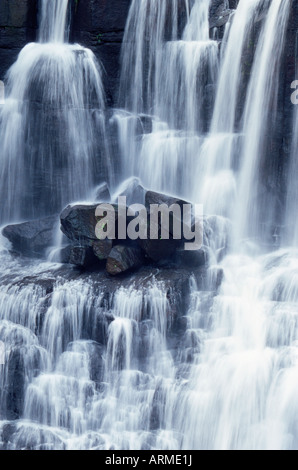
{"x":158,"y":199}
{"x":78,"y":222}
{"x":82,"y":256}
{"x":123,"y":258}
{"x":192,"y":259}
{"x":34,"y":237}
{"x":158,"y":250}
{"x":219,"y":15}
{"x":153,"y":197}
{"x":102,"y":248}
{"x":102,"y":193}
{"x":133,"y":190}
{"x":18,"y":24}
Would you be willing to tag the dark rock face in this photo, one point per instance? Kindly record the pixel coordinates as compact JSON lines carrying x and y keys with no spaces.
{"x":78,"y":223}
{"x":123,"y":258}
{"x":81,"y":256}
{"x":18,"y":25}
{"x":102,"y":248}
{"x":159,"y":198}
{"x":192,"y":259}
{"x":158,"y":250}
{"x":15,"y":385}
{"x":219,"y":14}
{"x":99,"y":25}
{"x":34,"y":237}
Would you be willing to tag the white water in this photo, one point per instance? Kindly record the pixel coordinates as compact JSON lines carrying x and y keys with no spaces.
{"x":103,"y":371}
{"x":51,"y":124}
{"x":260,"y":111}
{"x":292,"y":196}
{"x":53,"y":21}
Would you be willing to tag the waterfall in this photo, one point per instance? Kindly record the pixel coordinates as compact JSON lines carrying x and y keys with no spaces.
{"x":174,"y":76}
{"x":165,"y":358}
{"x":224,"y":113}
{"x":216,"y":168}
{"x":259,"y":114}
{"x":141,"y":47}
{"x":53,"y":21}
{"x":291,"y":237}
{"x":52,"y":134}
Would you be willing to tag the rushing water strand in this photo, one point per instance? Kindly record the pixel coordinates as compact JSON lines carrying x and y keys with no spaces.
{"x":53,"y":21}
{"x":260,"y":112}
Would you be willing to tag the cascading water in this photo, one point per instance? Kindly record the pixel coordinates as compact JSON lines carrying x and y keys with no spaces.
{"x":53,"y":25}
{"x":52,"y":125}
{"x":92,"y":364}
{"x":261,"y":107}
{"x":180,"y":82}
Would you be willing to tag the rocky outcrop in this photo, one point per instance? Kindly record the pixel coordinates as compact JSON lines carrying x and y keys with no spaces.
{"x":123,"y":252}
{"x":128,"y":244}
{"x":219,"y":14}
{"x":124,"y":258}
{"x":32,"y":238}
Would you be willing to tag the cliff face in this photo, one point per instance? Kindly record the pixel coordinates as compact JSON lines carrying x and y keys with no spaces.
{"x":18,"y":24}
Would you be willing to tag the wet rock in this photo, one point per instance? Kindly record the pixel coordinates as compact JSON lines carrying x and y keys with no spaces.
{"x":18,"y":24}
{"x":158,"y":250}
{"x":78,"y":222}
{"x":34,"y":237}
{"x":29,"y":436}
{"x":6,"y":436}
{"x":192,"y":259}
{"x":219,"y":15}
{"x":82,"y":256}
{"x":133,"y":190}
{"x":15,"y":385}
{"x":64,"y":254}
{"x":123,"y":258}
{"x":153,"y":197}
{"x":102,"y":193}
{"x":146,"y":124}
{"x":157,"y":408}
{"x":102,"y":248}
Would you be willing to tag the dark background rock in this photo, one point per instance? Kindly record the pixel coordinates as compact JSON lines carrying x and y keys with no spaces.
{"x":18,"y":25}
{"x":124,"y":258}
